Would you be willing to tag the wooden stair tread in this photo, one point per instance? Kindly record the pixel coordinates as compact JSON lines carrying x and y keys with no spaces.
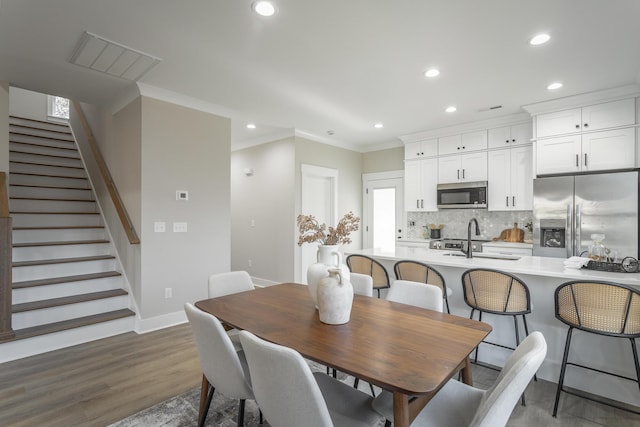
{"x":55,"y":187}
{"x":46,"y":138}
{"x":59,"y":227}
{"x":71,"y":324}
{"x":73,"y":299}
{"x":65,"y":279}
{"x":74,"y":148}
{"x":20,"y":162}
{"x":47,"y":175}
{"x":27,"y":119}
{"x":31,"y":153}
{"x":60,"y":243}
{"x":62,"y":260}
{"x":49,"y":199}
{"x":53,"y":213}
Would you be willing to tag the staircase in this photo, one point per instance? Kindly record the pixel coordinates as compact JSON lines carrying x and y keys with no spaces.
{"x":67,"y":285}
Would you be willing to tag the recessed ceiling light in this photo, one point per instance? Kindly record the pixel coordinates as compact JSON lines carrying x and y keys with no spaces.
{"x":432,"y":72}
{"x":264,"y":8}
{"x":554,"y":86}
{"x":251,"y":126}
{"x":450,"y":109}
{"x":378,"y":126}
{"x":539,"y":39}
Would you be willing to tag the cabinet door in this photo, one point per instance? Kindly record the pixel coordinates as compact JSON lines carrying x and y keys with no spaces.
{"x":558,"y":155}
{"x":474,"y":166}
{"x":521,"y":178}
{"x":412,"y":150}
{"x":558,"y":123}
{"x":521,"y":134}
{"x":449,"y":169}
{"x":498,"y":177}
{"x":500,"y":137}
{"x":429,"y":148}
{"x":609,"y":114}
{"x":612,"y":149}
{"x":412,"y":185}
{"x":474,"y":141}
{"x":429,"y":181}
{"x":449,"y":145}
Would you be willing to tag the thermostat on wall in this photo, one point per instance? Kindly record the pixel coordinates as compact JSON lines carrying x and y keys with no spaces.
{"x":182,"y":195}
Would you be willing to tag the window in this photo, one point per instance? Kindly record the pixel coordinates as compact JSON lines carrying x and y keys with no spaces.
{"x":58,"y":108}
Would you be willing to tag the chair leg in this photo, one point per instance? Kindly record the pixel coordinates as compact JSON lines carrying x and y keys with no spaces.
{"x":635,"y":358}
{"x":356,"y":382}
{"x":203,"y":416}
{"x":563,"y":368}
{"x":446,"y":302}
{"x":475,"y":359}
{"x":373,"y":392}
{"x":335,"y":374}
{"x":515,"y":322}
{"x":387,"y":423}
{"x":261,"y":418}
{"x":241,"y":413}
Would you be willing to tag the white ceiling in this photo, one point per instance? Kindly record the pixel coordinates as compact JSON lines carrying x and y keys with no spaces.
{"x":339,"y":65}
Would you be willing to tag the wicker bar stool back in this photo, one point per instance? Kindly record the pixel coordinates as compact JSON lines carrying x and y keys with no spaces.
{"x":414,"y":271}
{"x":365,"y":265}
{"x":499,"y":293}
{"x":602,"y":308}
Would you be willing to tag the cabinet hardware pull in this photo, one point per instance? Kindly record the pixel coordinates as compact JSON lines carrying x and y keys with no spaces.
{"x":513,"y":201}
{"x":586,"y":125}
{"x":577,"y":126}
{"x":462,"y":173}
{"x":585,"y":159}
{"x":513,"y":140}
{"x":458,"y":173}
{"x":422,"y":203}
{"x":577,"y":161}
{"x":463,"y":147}
{"x":507,"y":199}
{"x":417,"y":204}
{"x":507,"y":141}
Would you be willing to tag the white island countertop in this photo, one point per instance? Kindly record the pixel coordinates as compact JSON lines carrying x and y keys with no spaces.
{"x":530,"y":265}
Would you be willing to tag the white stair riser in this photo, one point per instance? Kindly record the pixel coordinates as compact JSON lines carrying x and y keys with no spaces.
{"x":22,"y":205}
{"x":21,"y":274}
{"x":16,"y":137}
{"x":57,"y":126}
{"x":39,"y":293}
{"x":46,"y":170}
{"x":66,"y":151}
{"x":53,"y":235}
{"x":49,"y":181}
{"x":47,"y":160}
{"x":55,"y":220}
{"x":65,"y":312}
{"x":50,"y":193}
{"x":39,"y":132}
{"x":19,"y":349}
{"x":60,"y":251}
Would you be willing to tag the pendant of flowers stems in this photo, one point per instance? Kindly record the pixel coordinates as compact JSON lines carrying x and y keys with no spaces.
{"x":312,"y":231}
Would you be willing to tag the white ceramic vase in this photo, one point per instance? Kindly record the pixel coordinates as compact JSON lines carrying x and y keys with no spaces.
{"x":328,"y":256}
{"x":335,"y":298}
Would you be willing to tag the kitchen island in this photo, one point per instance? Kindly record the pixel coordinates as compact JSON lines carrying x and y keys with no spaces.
{"x":542,"y":276}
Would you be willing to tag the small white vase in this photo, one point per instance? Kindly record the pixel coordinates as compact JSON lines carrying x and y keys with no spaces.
{"x":328,"y":256}
{"x":335,"y":298}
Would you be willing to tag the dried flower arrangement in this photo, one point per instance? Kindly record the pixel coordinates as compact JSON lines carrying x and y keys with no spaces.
{"x":311,"y":231}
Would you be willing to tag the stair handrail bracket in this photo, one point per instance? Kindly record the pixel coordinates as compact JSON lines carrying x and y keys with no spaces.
{"x":127,"y":224}
{"x":6,"y":230}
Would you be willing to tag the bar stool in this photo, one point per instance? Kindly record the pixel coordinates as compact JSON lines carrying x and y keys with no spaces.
{"x":500,"y":293}
{"x":602,"y":308}
{"x":365,"y":265}
{"x":419,"y":272}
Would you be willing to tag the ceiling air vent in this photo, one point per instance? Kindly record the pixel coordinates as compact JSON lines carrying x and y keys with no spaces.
{"x":495,"y":107}
{"x":100,"y":54}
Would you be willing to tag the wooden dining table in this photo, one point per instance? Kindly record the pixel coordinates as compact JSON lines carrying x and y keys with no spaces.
{"x":409,"y":351}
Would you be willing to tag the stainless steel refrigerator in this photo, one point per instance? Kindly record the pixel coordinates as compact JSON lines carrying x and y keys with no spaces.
{"x":568,"y":209}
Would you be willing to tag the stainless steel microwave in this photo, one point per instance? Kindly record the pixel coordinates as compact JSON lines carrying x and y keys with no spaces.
{"x":463,"y":195}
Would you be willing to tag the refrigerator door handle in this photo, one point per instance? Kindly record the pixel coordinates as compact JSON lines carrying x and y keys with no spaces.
{"x":569,"y":231}
{"x":578,"y":230}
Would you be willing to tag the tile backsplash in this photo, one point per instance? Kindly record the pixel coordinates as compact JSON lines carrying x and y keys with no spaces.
{"x":455,"y":222}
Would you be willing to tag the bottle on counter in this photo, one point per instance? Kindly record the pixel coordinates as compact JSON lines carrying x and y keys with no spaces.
{"x":597,"y":250}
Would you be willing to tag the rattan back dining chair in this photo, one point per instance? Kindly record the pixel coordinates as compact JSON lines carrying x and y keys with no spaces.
{"x":499,"y":293}
{"x":415,"y":271}
{"x":366,"y":265}
{"x":602,"y":308}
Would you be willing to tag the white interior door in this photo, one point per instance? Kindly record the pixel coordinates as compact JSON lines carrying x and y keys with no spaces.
{"x":384,"y":209}
{"x":319,"y":198}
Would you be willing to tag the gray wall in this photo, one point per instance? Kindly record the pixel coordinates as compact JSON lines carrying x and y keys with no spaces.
{"x":384,"y":160}
{"x":28,"y":104}
{"x":267,"y":199}
{"x":4,"y":127}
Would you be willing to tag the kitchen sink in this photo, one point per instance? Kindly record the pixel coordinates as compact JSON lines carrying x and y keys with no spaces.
{"x":483,"y":255}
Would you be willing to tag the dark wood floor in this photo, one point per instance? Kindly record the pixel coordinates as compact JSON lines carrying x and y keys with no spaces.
{"x":98,"y":383}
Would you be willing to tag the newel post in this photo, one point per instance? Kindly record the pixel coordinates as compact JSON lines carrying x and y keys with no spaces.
{"x":6,"y":227}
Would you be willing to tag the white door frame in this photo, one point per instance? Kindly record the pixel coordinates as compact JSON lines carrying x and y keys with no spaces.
{"x":367,"y":180}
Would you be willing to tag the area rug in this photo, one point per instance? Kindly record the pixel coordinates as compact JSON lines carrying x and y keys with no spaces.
{"x":182,"y":410}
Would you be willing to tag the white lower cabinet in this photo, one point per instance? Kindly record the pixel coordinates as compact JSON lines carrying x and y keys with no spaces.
{"x":420,"y":185}
{"x":505,"y":248}
{"x":463,"y":168}
{"x":510,"y":179}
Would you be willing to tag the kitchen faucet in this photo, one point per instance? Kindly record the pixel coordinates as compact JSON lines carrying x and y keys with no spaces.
{"x":469,"y":251}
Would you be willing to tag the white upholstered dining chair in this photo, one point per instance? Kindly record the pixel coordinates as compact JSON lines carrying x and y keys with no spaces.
{"x":460,"y":405}
{"x":224,"y":368}
{"x":228,"y":283}
{"x":362,"y":284}
{"x":416,"y":294}
{"x":290,"y":395}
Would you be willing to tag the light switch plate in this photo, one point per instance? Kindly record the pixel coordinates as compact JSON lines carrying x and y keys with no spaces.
{"x":179,"y":227}
{"x":182,"y":195}
{"x":159,"y":226}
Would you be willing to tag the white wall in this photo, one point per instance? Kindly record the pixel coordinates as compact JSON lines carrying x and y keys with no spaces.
{"x":28,"y":104}
{"x":4,"y":126}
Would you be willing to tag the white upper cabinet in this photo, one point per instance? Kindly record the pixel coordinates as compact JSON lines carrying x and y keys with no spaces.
{"x":420,"y":185}
{"x":421,"y":149}
{"x":463,"y":168}
{"x":590,"y":118}
{"x":454,"y":144}
{"x":508,"y":136}
{"x":510,"y":179}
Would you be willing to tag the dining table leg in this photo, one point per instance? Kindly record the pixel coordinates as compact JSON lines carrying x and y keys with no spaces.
{"x":400,"y":410}
{"x":203,"y":398}
{"x":466,"y":374}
